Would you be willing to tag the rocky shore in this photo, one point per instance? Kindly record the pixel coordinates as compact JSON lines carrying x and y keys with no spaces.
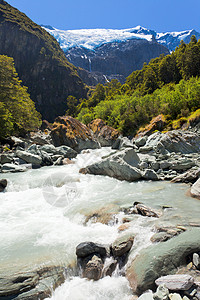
{"x":170,"y":267}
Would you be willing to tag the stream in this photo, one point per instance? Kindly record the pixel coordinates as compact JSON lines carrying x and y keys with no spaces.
{"x":43,"y":212}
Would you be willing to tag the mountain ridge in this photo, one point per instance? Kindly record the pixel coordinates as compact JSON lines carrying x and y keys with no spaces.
{"x":93,"y":38}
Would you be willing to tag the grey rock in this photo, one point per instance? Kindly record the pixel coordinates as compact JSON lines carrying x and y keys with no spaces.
{"x":175,"y":141}
{"x":93,"y":269}
{"x":31,"y":285}
{"x":65,"y":151}
{"x":150,"y":175}
{"x":3,"y":184}
{"x":6,"y":158}
{"x":165,"y":165}
{"x":143,"y":165}
{"x":17,"y":142}
{"x":141,"y":141}
{"x":109,"y":268}
{"x":146,"y":296}
{"x":12,"y":168}
{"x":143,"y":210}
{"x":189,"y":176}
{"x":161,"y":237}
{"x":196,"y":260}
{"x":177,"y":282}
{"x":122,"y":245}
{"x":87,"y":248}
{"x":29,"y":157}
{"x":195,"y":189}
{"x":162,"y":293}
{"x":183,"y":164}
{"x":59,"y":161}
{"x":155,"y":166}
{"x":161,"y":259}
{"x":122,"y":142}
{"x":175,"y":296}
{"x":121,"y":165}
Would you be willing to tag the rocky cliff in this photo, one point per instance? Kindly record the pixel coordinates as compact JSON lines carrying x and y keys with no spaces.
{"x":39,"y":61}
{"x":116,"y":58}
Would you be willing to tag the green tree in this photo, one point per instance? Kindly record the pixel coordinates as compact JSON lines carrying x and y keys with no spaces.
{"x":72,"y":103}
{"x":17,"y":111}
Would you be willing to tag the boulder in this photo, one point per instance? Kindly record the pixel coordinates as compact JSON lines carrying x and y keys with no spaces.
{"x":31,"y":285}
{"x":6,"y":158}
{"x":182,"y":164}
{"x":175,"y":296}
{"x":17,"y":142}
{"x":156,"y":123}
{"x":87,"y":248}
{"x":189,"y":176}
{"x":121,"y":165}
{"x":162,"y":293}
{"x":195,"y":189}
{"x":12,"y":168}
{"x":3,"y":184}
{"x":174,"y":141}
{"x":40,"y":138}
{"x":45,"y":125}
{"x":122,"y":245}
{"x":104,"y":134}
{"x":165,"y":233}
{"x":65,"y":151}
{"x":160,"y":259}
{"x":29,"y":157}
{"x":93,"y":269}
{"x":196,"y":260}
{"x":141,"y":141}
{"x":178,"y":282}
{"x":122,"y":142}
{"x":72,"y":133}
{"x":150,"y":175}
{"x":143,"y":210}
{"x":109,"y":267}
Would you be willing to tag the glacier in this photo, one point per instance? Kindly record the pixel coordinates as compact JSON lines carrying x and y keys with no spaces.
{"x":94,"y":38}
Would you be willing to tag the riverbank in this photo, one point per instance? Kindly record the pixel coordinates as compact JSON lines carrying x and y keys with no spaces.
{"x":47,"y":212}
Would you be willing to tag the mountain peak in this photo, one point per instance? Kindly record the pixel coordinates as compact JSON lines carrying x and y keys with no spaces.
{"x":93,"y":38}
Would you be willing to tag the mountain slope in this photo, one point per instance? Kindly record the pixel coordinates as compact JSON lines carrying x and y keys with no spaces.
{"x":39,"y":61}
{"x":108,"y":53}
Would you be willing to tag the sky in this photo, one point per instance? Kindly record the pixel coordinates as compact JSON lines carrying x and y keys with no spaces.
{"x":159,"y":15}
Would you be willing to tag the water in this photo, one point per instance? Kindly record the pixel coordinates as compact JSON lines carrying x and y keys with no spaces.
{"x":43,"y":213}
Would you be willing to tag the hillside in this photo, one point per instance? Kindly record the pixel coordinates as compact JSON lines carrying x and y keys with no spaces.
{"x":39,"y":61}
{"x":168,"y":85}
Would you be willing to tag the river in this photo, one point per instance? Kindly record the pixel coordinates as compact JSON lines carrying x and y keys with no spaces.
{"x":43,"y":212}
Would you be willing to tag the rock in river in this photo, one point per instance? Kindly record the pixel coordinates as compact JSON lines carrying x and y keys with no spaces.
{"x":87,"y":248}
{"x":161,"y":259}
{"x":3,"y":184}
{"x":195,"y":189}
{"x":176,"y":282}
{"x":121,"y":165}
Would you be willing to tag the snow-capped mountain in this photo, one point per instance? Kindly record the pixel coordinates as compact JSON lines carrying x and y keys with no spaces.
{"x":103,"y":54}
{"x":93,"y":38}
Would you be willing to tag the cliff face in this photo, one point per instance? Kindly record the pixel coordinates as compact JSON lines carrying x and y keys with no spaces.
{"x":39,"y":61}
{"x":117,"y":58}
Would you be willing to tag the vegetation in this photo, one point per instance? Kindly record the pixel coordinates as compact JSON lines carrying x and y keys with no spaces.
{"x":168,"y":85}
{"x":17,"y":111}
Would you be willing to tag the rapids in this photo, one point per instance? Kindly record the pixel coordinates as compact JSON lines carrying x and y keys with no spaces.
{"x":43,"y":212}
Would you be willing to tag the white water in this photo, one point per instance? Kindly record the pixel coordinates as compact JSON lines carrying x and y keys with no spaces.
{"x":42,"y":217}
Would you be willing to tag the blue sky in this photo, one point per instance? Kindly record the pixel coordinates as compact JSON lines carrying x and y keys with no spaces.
{"x":160,"y":15}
